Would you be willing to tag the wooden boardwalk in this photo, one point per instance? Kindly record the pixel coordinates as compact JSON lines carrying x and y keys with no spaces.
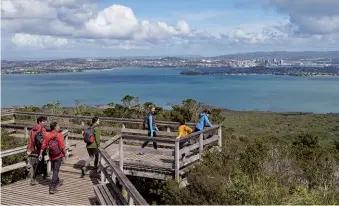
{"x":119,"y":156}
{"x":74,"y":191}
{"x":131,"y":156}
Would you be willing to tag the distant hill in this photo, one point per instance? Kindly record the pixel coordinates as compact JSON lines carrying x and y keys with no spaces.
{"x":282,"y":55}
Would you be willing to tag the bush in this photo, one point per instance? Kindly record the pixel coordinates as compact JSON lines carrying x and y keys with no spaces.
{"x":9,"y":142}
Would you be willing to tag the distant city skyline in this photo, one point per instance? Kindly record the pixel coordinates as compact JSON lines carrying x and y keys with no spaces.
{"x":47,"y":29}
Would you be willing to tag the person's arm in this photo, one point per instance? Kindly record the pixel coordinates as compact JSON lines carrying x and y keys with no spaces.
{"x":44,"y":132}
{"x":61,"y":140}
{"x":150,"y":124}
{"x":188,"y":129}
{"x":208,"y":122}
{"x":43,"y":147}
{"x":30,"y":143}
{"x":97,"y":136}
{"x":180,"y":132}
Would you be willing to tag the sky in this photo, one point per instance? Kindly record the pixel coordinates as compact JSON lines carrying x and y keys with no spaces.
{"x":47,"y":29}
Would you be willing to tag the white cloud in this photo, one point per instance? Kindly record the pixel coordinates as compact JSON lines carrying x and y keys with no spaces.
{"x":38,"y":41}
{"x":309,"y":16}
{"x":79,"y":26}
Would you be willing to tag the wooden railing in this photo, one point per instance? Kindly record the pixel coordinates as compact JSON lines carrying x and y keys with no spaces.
{"x":123,"y":121}
{"x":112,"y":174}
{"x":192,"y":145}
{"x":23,"y":149}
{"x":16,"y":123}
{"x":193,"y":150}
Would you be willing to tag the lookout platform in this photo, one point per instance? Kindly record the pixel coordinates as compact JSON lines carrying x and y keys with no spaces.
{"x":119,"y":158}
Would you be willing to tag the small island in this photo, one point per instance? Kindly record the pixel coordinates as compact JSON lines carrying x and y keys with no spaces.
{"x":261,"y":70}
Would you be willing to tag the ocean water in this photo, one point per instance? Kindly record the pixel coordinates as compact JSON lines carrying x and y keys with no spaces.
{"x":165,"y":86}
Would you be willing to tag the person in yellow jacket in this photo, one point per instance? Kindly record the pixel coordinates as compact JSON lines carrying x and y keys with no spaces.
{"x":183,"y":129}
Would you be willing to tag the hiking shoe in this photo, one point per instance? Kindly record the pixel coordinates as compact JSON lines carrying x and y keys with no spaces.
{"x":52,"y":190}
{"x":140,"y":153}
{"x":33,"y":182}
{"x":61,"y":182}
{"x":83,"y":172}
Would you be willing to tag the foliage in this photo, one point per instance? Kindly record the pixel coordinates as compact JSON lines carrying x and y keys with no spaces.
{"x":10,"y":142}
{"x":267,"y":158}
{"x":262,"y":171}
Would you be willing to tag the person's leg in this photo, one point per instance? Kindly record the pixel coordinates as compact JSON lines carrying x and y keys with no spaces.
{"x":55,"y":178}
{"x":33,"y":170}
{"x":154,"y":143}
{"x":44,"y":166}
{"x":90,"y":152}
{"x":96,"y":160}
{"x":145,"y":143}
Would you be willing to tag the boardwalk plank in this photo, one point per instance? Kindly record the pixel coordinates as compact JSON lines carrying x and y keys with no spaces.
{"x":72,"y":192}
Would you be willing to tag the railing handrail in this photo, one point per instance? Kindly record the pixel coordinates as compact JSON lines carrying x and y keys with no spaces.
{"x":195,"y":134}
{"x":122,"y":178}
{"x":147,"y":138}
{"x":120,"y":120}
{"x":21,"y":149}
{"x":13,"y":151}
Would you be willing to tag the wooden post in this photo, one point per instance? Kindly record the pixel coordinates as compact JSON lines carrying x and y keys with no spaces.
{"x":121,"y":154}
{"x":220,"y":136}
{"x":168,"y":129}
{"x":102,"y":175}
{"x":83,"y":125}
{"x":26,"y":133}
{"x":130,"y":200}
{"x":177,"y":161}
{"x":67,"y":146}
{"x":114,"y":178}
{"x":49,"y":166}
{"x":201,"y":145}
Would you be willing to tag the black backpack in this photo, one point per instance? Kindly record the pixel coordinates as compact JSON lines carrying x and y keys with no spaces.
{"x":145,"y":123}
{"x":39,"y":138}
{"x":89,"y":135}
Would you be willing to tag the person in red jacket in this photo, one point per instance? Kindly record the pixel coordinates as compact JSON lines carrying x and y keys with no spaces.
{"x":37,"y":167}
{"x":54,"y":141}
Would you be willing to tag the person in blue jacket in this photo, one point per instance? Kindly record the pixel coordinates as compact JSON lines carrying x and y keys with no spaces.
{"x":203,"y":121}
{"x":152,"y":127}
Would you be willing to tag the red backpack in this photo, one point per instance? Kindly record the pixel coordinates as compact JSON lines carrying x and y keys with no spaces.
{"x":53,"y":145}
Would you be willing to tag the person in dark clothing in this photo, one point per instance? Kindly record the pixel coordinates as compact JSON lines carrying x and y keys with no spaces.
{"x":152,"y":127}
{"x":92,"y":149}
{"x":203,"y":121}
{"x":36,"y":167}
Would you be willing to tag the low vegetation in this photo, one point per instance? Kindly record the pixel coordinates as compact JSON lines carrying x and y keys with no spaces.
{"x":267,"y":158}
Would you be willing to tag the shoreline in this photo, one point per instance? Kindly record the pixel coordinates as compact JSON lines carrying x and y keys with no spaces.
{"x":183,"y":73}
{"x":168,"y":108}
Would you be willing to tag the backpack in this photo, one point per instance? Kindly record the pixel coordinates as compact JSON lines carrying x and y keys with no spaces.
{"x":145,"y":122}
{"x":53,"y":145}
{"x":89,"y":135}
{"x":38,"y":139}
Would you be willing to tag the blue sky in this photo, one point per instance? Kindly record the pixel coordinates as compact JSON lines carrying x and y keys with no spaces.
{"x":89,"y":28}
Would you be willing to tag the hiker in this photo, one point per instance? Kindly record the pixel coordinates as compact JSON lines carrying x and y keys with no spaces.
{"x":36,"y":137}
{"x":151,"y":126}
{"x":54,"y":141}
{"x":92,"y":138}
{"x":203,"y":121}
{"x":183,"y":131}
